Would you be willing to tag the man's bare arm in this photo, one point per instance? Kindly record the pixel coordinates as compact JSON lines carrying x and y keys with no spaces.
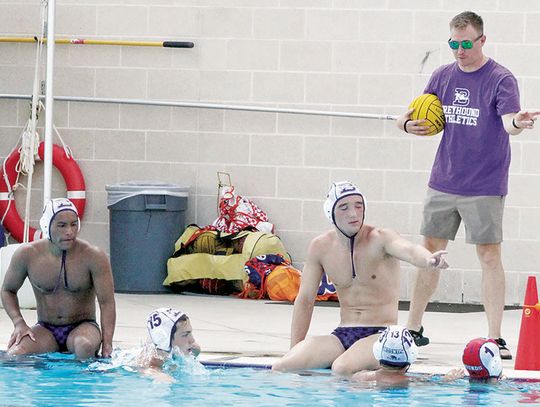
{"x":13,"y":281}
{"x":305,"y":300}
{"x":515,"y":123}
{"x":412,"y":253}
{"x":104,"y":288}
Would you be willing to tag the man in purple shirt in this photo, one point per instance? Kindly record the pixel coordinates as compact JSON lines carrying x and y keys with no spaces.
{"x":469,"y":178}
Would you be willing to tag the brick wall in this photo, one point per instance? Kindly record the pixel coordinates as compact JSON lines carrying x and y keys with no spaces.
{"x":350,"y":56}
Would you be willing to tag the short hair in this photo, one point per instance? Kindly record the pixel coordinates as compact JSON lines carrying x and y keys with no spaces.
{"x":182,"y":321}
{"x":466,"y":18}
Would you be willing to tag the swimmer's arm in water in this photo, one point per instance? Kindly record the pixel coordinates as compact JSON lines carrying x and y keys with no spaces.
{"x":454,"y":374}
{"x":13,"y":281}
{"x":414,"y":254}
{"x":157,"y":375}
{"x":305,"y":300}
{"x":364,"y":376}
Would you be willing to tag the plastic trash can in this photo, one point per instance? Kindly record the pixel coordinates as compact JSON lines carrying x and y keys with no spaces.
{"x":145,"y":220}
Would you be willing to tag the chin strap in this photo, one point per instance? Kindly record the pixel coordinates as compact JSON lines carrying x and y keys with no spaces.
{"x":351,"y":241}
{"x":62,"y":270}
{"x":352,"y":255}
{"x":351,"y":238}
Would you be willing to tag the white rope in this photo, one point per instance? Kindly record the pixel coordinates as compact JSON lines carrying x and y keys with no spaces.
{"x":28,"y":149}
{"x":11,"y":188}
{"x":30,"y":138}
{"x":67,"y":149}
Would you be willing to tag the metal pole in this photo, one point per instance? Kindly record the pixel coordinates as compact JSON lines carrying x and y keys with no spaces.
{"x":82,"y":41}
{"x":49,"y":102}
{"x":202,"y":105}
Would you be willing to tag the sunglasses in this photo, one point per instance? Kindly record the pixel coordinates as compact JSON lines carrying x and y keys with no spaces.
{"x":465,"y":44}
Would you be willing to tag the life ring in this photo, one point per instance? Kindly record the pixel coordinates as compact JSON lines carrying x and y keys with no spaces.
{"x":73,"y":178}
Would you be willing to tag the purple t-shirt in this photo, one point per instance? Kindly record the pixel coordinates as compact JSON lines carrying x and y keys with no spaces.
{"x":474,"y":153}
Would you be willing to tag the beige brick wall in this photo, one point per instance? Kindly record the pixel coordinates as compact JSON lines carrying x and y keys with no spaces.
{"x":341,"y":55}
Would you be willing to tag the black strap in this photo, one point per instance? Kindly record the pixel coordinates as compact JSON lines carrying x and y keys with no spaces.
{"x":64,"y":270}
{"x":352,"y":256}
{"x":63,"y":267}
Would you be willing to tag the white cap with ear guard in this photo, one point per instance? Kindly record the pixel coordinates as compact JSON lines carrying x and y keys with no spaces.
{"x":53,"y":208}
{"x":395,"y":347}
{"x":161,"y":325}
{"x":338,"y":191}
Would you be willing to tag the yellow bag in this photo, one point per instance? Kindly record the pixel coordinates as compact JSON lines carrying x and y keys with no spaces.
{"x":227,"y":262}
{"x":204,"y":240}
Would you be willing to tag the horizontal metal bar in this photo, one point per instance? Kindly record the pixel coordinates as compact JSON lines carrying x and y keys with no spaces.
{"x":202,"y":105}
{"x":82,"y":41}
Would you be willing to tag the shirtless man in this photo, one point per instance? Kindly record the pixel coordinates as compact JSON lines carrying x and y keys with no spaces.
{"x":363,"y":263}
{"x":66,"y":274}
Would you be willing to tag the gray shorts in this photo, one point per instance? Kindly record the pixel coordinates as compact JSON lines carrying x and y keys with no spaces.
{"x":482,"y":216}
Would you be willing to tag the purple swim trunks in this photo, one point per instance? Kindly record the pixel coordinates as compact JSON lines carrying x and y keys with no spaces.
{"x":61,"y":332}
{"x":348,"y":335}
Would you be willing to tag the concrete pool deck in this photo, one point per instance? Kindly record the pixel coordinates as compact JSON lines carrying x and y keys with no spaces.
{"x":237,"y":331}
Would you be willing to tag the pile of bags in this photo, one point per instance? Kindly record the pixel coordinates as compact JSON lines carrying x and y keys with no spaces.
{"x":238,"y":254}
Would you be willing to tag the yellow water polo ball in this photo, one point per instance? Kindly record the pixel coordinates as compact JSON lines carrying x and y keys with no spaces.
{"x":428,"y":107}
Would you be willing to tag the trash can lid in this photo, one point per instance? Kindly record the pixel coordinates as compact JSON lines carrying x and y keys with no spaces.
{"x":123,"y":190}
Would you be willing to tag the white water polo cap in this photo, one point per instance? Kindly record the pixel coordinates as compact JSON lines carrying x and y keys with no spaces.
{"x":482,"y":359}
{"x":338,"y":191}
{"x":395,"y":347}
{"x":161,"y":325}
{"x":53,"y":208}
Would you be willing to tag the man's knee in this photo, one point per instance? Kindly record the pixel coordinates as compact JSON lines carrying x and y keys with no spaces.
{"x":341,"y":368}
{"x":29,"y":349}
{"x":279,"y":366}
{"x":434,"y":244}
{"x":489,"y":254}
{"x":84,"y":347}
{"x":16,"y":350}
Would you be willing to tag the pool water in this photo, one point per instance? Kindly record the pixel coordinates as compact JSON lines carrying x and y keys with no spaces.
{"x":58,"y":380}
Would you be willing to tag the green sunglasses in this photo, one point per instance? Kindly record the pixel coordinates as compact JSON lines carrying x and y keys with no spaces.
{"x":465,"y":44}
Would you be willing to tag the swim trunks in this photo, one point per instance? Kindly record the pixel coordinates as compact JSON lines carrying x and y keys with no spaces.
{"x":348,"y":335}
{"x":61,"y":332}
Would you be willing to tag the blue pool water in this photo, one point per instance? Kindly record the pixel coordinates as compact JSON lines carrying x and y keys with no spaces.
{"x":58,"y":380}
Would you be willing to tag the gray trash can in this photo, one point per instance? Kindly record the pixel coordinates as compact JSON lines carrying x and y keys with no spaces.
{"x":145,"y":219}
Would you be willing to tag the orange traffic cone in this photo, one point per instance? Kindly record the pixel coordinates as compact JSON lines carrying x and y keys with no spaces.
{"x":528,"y":357}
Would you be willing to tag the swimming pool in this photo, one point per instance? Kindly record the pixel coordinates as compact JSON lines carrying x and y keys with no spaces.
{"x":58,"y":380}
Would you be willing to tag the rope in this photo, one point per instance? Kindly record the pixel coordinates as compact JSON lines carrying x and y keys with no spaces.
{"x":28,"y":149}
{"x":11,"y":189}
{"x":67,"y":149}
{"x":30,"y":138}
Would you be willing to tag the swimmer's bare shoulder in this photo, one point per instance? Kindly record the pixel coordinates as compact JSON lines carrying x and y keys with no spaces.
{"x":29,"y":250}
{"x":23,"y":257}
{"x":90,"y":251}
{"x":320,"y":245}
{"x":383,"y":239}
{"x":384,"y":234}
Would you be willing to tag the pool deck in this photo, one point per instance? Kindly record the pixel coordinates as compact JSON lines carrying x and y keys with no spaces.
{"x":237,"y":331}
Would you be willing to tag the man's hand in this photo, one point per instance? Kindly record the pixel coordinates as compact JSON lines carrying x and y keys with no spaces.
{"x":106,"y":350}
{"x":454,"y":374}
{"x":21,"y":330}
{"x":525,"y":120}
{"x":437,"y":260}
{"x":405,"y":123}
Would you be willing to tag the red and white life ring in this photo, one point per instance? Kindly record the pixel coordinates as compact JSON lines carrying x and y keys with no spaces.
{"x":72,"y":177}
